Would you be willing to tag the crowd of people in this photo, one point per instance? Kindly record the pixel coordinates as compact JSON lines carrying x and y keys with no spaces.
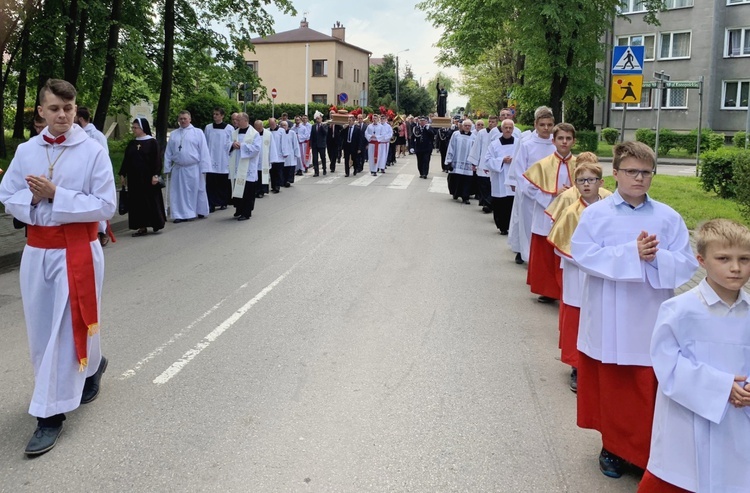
{"x":664,"y":379}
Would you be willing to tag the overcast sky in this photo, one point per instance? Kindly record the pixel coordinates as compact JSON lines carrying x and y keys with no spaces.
{"x":384,"y":26}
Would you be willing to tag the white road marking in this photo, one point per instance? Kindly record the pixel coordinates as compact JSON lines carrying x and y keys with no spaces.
{"x":364,"y":181}
{"x":439,"y":184}
{"x":327,"y":181}
{"x":178,"y":365}
{"x":401,"y":182}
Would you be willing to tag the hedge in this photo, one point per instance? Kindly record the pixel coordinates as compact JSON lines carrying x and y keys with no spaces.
{"x":669,"y":139}
{"x":739,"y":140}
{"x":741,"y":169}
{"x":587,"y":140}
{"x":610,"y":135}
{"x":717,"y":171}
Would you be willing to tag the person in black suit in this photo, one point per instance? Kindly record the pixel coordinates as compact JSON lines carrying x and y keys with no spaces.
{"x":318,"y":138}
{"x":362,"y":126}
{"x":333,"y":142}
{"x":422,"y":142}
{"x":351,"y":142}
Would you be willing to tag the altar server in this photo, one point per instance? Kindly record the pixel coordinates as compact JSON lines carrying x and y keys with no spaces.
{"x":219,"y":140}
{"x":377,"y":150}
{"x":291,"y":153}
{"x":243,"y":167}
{"x":61,"y":184}
{"x":483,"y":184}
{"x":635,"y":251}
{"x":498,"y":159}
{"x":188,"y":160}
{"x":700,"y":353}
{"x":457,"y":160}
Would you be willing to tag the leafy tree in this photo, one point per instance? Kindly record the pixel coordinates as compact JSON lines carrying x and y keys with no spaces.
{"x":559,"y":39}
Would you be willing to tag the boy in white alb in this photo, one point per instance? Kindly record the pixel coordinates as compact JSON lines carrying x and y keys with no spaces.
{"x":635,"y":252}
{"x":700,"y":440}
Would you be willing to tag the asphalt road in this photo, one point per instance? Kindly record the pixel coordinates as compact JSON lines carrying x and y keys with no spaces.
{"x":356,"y":335}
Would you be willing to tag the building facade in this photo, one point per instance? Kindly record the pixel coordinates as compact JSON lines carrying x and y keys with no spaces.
{"x":334,"y":67}
{"x":696,"y":38}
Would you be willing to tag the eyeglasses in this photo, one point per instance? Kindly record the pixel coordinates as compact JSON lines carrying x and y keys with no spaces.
{"x":632,"y":173}
{"x":586,"y":181}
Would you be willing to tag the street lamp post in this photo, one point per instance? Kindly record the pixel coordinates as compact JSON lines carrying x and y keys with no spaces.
{"x":402,"y":51}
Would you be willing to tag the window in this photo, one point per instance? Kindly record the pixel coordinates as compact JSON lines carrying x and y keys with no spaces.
{"x":252,"y":65}
{"x":678,"y":4}
{"x":320,"y":98}
{"x":644,"y":104}
{"x":632,"y":6}
{"x":736,"y":2}
{"x":674,"y":45}
{"x":647,"y":40}
{"x":340,"y":69}
{"x":320,"y":68}
{"x":356,"y":75}
{"x":735,"y":94}
{"x":737,"y":42}
{"x":674,"y":98}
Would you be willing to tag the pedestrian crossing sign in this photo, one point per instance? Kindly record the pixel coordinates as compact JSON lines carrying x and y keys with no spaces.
{"x":626,"y":88}
{"x":628,"y":60}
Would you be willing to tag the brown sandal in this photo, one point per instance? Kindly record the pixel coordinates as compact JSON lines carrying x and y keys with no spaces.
{"x":140,"y":232}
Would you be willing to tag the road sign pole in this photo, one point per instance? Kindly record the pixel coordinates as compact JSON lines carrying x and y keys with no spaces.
{"x":700,"y":127}
{"x":273,"y":109}
{"x":622,"y":125}
{"x":659,"y":93}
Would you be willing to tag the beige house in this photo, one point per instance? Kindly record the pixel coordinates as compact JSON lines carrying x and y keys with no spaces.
{"x":334,"y":67}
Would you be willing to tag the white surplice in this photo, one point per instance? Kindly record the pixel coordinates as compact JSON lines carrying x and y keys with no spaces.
{"x":493,"y":160}
{"x":457,"y":156}
{"x":244,"y":162}
{"x":374,"y":134}
{"x":621,"y":292}
{"x":187,"y":158}
{"x":85,"y":193}
{"x":219,"y":141}
{"x":532,"y":149}
{"x":479,"y":149}
{"x":303,"y":131}
{"x":699,"y":441}
{"x":290,"y":148}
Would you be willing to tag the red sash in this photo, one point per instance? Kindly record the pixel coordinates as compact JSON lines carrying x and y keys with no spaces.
{"x":307,"y":153}
{"x":75,"y":239}
{"x":377,"y":146}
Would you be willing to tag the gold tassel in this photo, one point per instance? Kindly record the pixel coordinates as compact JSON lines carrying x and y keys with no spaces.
{"x":83,"y":364}
{"x":93,"y":329}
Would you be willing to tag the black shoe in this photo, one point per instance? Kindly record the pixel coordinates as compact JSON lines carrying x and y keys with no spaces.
{"x":486,"y":209}
{"x":223,"y":208}
{"x":276,"y":190}
{"x":574,"y":380}
{"x":503,"y":233}
{"x":545,"y":299}
{"x":519,"y":260}
{"x":243,"y":218}
{"x":467,"y":202}
{"x":316,"y":174}
{"x":211,"y":210}
{"x":43,"y":440}
{"x":609,"y":464}
{"x":287,"y":185}
{"x":333,"y":170}
{"x":355,"y":172}
{"x":91,"y":386}
{"x":374,"y":174}
{"x":298,"y":173}
{"x":347,"y":175}
{"x":325,"y":172}
{"x":236,"y":214}
{"x":201,"y":216}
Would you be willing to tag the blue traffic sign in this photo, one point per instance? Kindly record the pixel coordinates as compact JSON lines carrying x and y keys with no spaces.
{"x":343,"y":97}
{"x":628,"y":60}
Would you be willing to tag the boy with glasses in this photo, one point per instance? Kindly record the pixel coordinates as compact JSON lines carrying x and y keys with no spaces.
{"x":635,"y":251}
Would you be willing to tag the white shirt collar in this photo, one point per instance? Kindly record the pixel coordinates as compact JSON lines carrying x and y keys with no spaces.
{"x":711,"y":298}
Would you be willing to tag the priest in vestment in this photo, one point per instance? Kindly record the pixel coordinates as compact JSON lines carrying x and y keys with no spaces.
{"x":546,"y":179}
{"x":61,"y":185}
{"x":187,"y":159}
{"x":264,"y":164}
{"x":457,"y":159}
{"x":482,"y":141}
{"x":244,"y":162}
{"x":219,"y":140}
{"x":635,"y":252}
{"x":290,"y":150}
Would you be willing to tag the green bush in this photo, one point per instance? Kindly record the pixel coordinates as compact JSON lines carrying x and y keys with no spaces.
{"x":587,"y":140}
{"x":647,"y":136}
{"x":741,"y":169}
{"x":610,"y":135}
{"x":201,"y":108}
{"x":716,"y":172}
{"x":669,"y":139}
{"x":739,"y":140}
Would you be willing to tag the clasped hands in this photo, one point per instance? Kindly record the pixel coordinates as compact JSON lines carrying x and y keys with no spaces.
{"x":41,"y":188}
{"x":647,"y":246}
{"x":739,"y":396}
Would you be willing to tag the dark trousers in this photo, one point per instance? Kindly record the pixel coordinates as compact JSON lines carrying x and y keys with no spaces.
{"x":289,"y":174}
{"x":484,"y":190}
{"x":462,"y":186}
{"x":423,"y":162}
{"x":319,"y":153}
{"x":260,"y":189}
{"x":218,"y":189}
{"x":452,"y":184}
{"x":246,"y":204}
{"x":443,"y":153}
{"x":277,"y":176}
{"x":333,"y":155}
{"x":391,"y":153}
{"x":352,"y":157}
{"x":501,"y":209}
{"x":360,"y":160}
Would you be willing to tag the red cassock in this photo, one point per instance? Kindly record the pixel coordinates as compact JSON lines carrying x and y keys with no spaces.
{"x":544,"y":268}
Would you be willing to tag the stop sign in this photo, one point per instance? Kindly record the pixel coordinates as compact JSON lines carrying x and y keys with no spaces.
{"x":273,"y":93}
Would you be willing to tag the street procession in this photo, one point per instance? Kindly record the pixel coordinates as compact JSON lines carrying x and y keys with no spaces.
{"x":332,"y":276}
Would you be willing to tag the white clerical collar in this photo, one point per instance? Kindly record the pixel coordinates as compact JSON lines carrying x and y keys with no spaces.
{"x":617,"y":198}
{"x":711,"y":298}
{"x":145,"y":137}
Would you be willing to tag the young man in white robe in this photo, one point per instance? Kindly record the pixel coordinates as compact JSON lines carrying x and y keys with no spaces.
{"x":244,"y":162}
{"x":535,"y":147}
{"x":635,"y":252}
{"x":377,"y":150}
{"x":302,"y":128}
{"x":385,"y":132}
{"x":61,"y":185}
{"x":187,"y":160}
{"x":497,"y":160}
{"x":291,"y":153}
{"x":478,"y":152}
{"x":219,"y":140}
{"x":276,"y":155}
{"x":457,"y":160}
{"x":700,"y":354}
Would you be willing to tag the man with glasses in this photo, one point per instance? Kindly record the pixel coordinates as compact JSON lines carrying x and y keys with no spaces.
{"x":635,"y":252}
